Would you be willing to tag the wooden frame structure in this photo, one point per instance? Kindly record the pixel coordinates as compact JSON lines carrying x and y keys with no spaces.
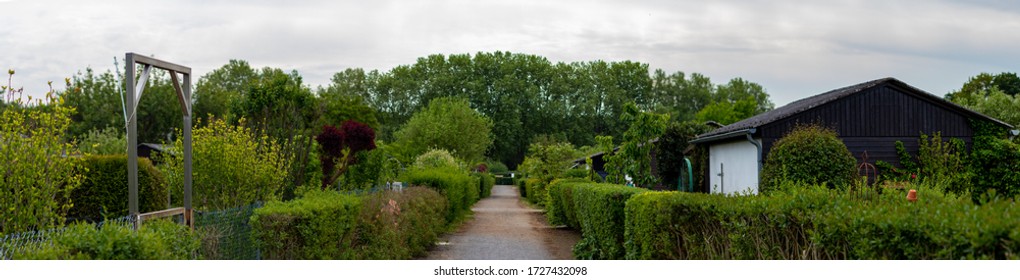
{"x":134,"y":93}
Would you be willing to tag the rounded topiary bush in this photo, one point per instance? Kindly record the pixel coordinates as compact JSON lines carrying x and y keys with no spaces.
{"x":809,"y":154}
{"x":436,"y":158}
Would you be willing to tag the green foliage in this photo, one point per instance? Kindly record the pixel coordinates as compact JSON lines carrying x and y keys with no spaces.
{"x":460,"y":189}
{"x":434,"y":127}
{"x":547,"y":159}
{"x":735,"y":101}
{"x":485,"y":183}
{"x":320,"y":225}
{"x":375,"y":168}
{"x":817,"y":223}
{"x":992,"y":95}
{"x":994,"y":161}
{"x":156,"y":240}
{"x":232,"y":166}
{"x":217,"y":91}
{"x":937,"y":161}
{"x":436,"y":158}
{"x":38,"y":171}
{"x":809,"y":154}
{"x":535,"y":188}
{"x":559,"y":206}
{"x":330,"y":225}
{"x":669,"y":152}
{"x":576,"y":173}
{"x":528,"y":95}
{"x":400,"y":225}
{"x":634,"y":156}
{"x":496,"y":167}
{"x":109,"y":141}
{"x":600,"y":214}
{"x":98,"y":99}
{"x":104,"y":193}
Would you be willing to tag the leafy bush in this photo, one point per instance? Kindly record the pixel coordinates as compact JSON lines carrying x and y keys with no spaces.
{"x":496,"y":167}
{"x":400,"y":225}
{"x":330,"y":225}
{"x":159,"y":239}
{"x":459,"y":188}
{"x":633,"y":158}
{"x":38,"y":172}
{"x":374,"y":168}
{"x":486,"y":182}
{"x":995,"y":162}
{"x":818,"y":223}
{"x":522,"y":187}
{"x":109,"y":141}
{"x":341,"y":147}
{"x":576,"y":173}
{"x":320,"y":225}
{"x":535,"y":188}
{"x":104,"y":193}
{"x":436,"y":158}
{"x":600,"y":213}
{"x":231,"y":167}
{"x":560,"y":202}
{"x":940,"y":162}
{"x":547,"y":159}
{"x":810,"y":154}
{"x":669,"y":151}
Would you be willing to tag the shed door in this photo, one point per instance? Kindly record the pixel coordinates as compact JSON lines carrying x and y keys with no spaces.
{"x":733,"y":168}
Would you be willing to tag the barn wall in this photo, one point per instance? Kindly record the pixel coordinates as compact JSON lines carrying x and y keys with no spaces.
{"x":737,"y":161}
{"x":872,"y":122}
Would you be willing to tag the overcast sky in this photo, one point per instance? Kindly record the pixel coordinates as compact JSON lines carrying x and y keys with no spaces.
{"x":794,"y":49}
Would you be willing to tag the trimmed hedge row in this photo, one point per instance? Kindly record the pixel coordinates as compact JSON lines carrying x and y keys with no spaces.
{"x":156,"y":240}
{"x":105,"y":189}
{"x":819,"y":224}
{"x":535,"y":188}
{"x":460,"y":188}
{"x":330,"y":225}
{"x":560,"y":203}
{"x":486,"y":182}
{"x":320,"y":225}
{"x":400,"y":225}
{"x":599,"y":209}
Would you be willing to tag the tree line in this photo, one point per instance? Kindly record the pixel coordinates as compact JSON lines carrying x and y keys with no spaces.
{"x":526,"y":96}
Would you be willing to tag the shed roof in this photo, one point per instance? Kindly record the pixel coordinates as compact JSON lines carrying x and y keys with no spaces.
{"x":809,"y":103}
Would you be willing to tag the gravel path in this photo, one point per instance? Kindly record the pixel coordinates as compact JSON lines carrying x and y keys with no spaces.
{"x":505,"y":228}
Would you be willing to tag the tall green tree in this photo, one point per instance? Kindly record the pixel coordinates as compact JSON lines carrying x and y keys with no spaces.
{"x":449,"y":124}
{"x":217,"y":91}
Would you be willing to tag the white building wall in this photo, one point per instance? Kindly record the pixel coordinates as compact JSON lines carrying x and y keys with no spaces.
{"x":737,"y":160}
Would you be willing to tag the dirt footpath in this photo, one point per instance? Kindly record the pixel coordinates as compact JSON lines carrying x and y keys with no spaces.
{"x":505,"y":228}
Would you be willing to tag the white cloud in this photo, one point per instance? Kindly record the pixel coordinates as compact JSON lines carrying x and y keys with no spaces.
{"x":793,"y":48}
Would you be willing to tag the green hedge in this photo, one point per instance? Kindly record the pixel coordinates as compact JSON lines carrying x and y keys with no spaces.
{"x":156,"y":240}
{"x":486,"y":182}
{"x":535,"y":188}
{"x":560,"y":203}
{"x":320,"y":225}
{"x":400,"y":225}
{"x":104,"y":193}
{"x":819,"y":224}
{"x":461,"y":190}
{"x":330,"y":225}
{"x":522,"y":187}
{"x":600,"y":214}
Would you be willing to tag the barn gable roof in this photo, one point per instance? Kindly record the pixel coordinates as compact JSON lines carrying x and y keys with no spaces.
{"x":749,"y":124}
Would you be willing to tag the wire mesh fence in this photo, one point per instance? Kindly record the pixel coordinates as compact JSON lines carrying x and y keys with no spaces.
{"x":226,"y":234}
{"x":16,"y":244}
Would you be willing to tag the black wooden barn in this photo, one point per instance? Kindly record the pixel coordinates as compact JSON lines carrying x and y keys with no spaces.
{"x":869,"y":117}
